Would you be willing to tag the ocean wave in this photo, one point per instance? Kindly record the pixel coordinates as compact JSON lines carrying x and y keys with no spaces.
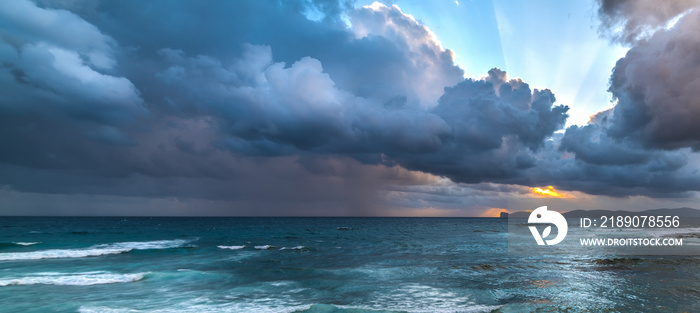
{"x":380,"y":309}
{"x":72,"y":279}
{"x":186,"y":307}
{"x":293,"y":248}
{"x":203,"y":308}
{"x":231,"y":247}
{"x":4,"y":245}
{"x":25,"y":243}
{"x":265,"y":247}
{"x":96,"y":250}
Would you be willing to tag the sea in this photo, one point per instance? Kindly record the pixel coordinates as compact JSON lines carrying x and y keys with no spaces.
{"x":319,"y":264}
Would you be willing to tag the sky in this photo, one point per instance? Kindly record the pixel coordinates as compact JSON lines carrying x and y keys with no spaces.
{"x":343,"y":108}
{"x":548,"y":44}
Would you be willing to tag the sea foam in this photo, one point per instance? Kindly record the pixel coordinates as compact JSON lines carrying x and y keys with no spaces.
{"x":265,"y":247}
{"x":96,"y":250}
{"x":72,"y":279}
{"x":293,"y":248}
{"x":25,"y":243}
{"x":231,"y":247}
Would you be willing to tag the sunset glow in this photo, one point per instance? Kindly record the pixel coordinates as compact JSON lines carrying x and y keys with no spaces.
{"x":548,"y":191}
{"x":492,"y":212}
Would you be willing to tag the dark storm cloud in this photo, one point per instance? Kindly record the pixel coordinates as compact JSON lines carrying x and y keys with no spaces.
{"x":65,"y":61}
{"x":645,"y":143}
{"x":657,"y":85}
{"x":283,"y":102}
{"x":473,"y":134}
{"x":493,"y":136}
{"x":632,"y":20}
{"x":619,"y":167}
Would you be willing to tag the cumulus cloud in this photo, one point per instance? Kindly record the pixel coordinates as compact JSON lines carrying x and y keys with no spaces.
{"x":276,"y":106}
{"x":657,"y":85}
{"x":24,"y":23}
{"x":613,"y":166}
{"x":646,"y":143}
{"x":55,"y":56}
{"x":272,"y":109}
{"x":428,"y":67}
{"x":473,"y":134}
{"x":629,"y":21}
{"x":493,"y":136}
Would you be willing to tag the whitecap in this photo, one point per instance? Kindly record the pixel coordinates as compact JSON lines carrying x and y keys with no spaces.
{"x":196,"y":306}
{"x":231,"y":247}
{"x":96,"y":250}
{"x":265,"y":247}
{"x":72,"y":279}
{"x":25,"y":243}
{"x":293,"y":248}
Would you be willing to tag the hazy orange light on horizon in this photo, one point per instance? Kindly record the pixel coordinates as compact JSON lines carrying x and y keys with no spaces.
{"x":492,"y":212}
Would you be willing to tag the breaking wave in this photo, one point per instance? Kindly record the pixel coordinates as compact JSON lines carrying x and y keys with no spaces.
{"x":96,"y":250}
{"x":72,"y":279}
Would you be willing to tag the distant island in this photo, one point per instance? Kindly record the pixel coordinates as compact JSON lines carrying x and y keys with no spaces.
{"x":681,"y":212}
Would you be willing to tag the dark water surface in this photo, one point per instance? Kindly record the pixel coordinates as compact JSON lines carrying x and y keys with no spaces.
{"x":119,"y":264}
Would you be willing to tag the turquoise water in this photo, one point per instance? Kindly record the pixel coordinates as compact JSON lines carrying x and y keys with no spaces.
{"x":317,"y":265}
